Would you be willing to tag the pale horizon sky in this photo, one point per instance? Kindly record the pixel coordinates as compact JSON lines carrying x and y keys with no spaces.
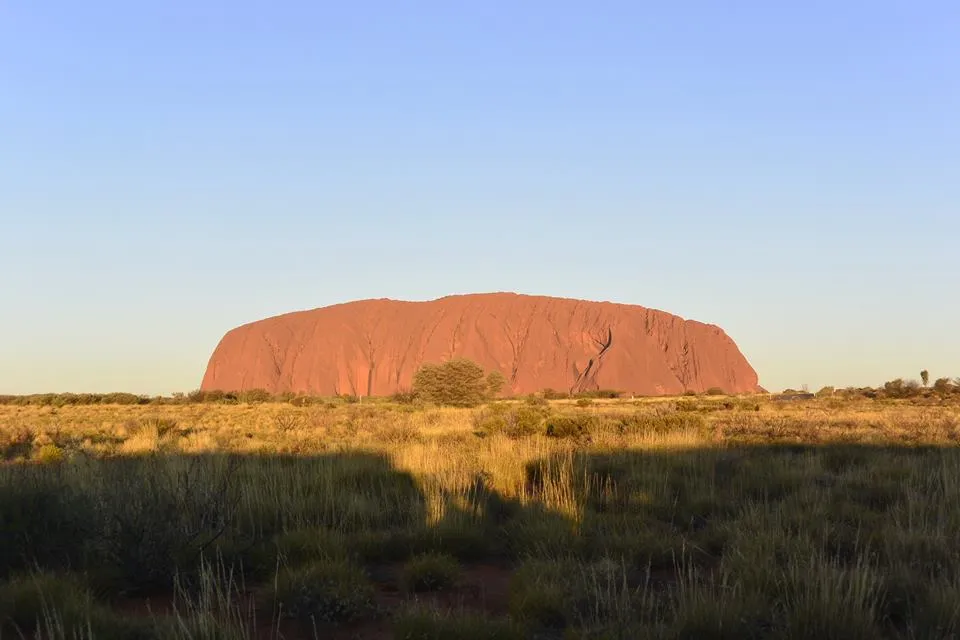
{"x":170,"y":170}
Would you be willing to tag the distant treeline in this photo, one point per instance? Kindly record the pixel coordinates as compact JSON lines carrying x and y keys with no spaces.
{"x":251,"y":396}
{"x":895,"y":389}
{"x":194,"y":397}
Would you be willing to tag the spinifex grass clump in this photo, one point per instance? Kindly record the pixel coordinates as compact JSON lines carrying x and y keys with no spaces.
{"x":26,"y":600}
{"x":430,"y":572}
{"x":324,"y":591}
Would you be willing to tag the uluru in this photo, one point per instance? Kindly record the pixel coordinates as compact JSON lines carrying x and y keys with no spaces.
{"x":374,"y":347}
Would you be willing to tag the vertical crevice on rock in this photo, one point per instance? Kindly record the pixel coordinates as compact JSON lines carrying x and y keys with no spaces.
{"x":587,"y":379}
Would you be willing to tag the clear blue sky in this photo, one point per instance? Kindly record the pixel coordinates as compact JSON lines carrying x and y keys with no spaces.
{"x":171,"y":169}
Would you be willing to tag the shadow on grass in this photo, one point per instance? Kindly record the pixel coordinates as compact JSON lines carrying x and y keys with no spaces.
{"x":755,"y":541}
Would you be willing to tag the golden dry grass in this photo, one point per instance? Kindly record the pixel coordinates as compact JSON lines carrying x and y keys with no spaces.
{"x":674,"y":518}
{"x":432,"y":434}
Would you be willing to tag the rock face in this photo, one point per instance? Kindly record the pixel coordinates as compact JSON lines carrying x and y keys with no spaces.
{"x":373,"y":347}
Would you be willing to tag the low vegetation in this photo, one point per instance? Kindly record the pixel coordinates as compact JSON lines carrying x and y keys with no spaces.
{"x":459,"y":383}
{"x":456,"y":383}
{"x":834,"y":516}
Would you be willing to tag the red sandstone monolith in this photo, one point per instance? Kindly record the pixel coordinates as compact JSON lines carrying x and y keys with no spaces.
{"x":373,"y":347}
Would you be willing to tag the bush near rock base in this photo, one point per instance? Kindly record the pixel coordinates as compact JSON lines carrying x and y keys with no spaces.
{"x":455,"y":383}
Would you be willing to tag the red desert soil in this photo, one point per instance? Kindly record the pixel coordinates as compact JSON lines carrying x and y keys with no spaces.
{"x":373,"y":347}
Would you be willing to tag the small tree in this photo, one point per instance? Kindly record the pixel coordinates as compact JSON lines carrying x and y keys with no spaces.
{"x":457,"y":383}
{"x":495,"y":383}
{"x":942,"y":386}
{"x":901,"y":388}
{"x":895,"y":388}
{"x":925,"y":377}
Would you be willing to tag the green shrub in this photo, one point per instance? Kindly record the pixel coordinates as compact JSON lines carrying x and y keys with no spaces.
{"x":42,"y":604}
{"x":539,"y":594}
{"x":15,"y":443}
{"x":900,"y":388}
{"x":568,"y":426}
{"x":305,"y":401}
{"x":49,"y":454}
{"x":255,"y":396}
{"x":584,"y":402}
{"x":602,"y":394}
{"x":26,"y":600}
{"x":944,"y":386}
{"x":212,"y":396}
{"x":716,"y":391}
{"x":455,"y":383}
{"x":405,"y":397}
{"x":325,"y":591}
{"x":495,"y":383}
{"x":430,"y":572}
{"x":513,"y":422}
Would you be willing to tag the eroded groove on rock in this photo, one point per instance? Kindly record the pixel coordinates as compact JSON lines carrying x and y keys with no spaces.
{"x":587,"y":380}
